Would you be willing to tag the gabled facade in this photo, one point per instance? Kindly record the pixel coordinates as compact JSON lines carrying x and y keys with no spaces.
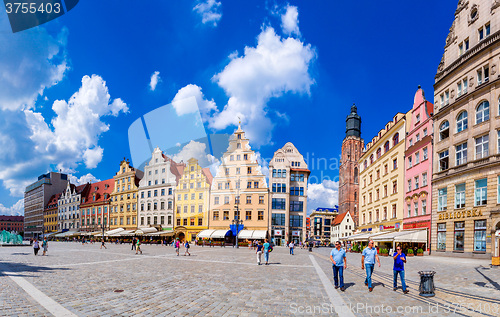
{"x":95,"y":206}
{"x":466,"y":167}
{"x":192,"y":202}
{"x":69,"y":206}
{"x":418,"y":174}
{"x":288,"y":178}
{"x":157,"y":192}
{"x":343,"y":226}
{"x":50,"y":214}
{"x":124,"y":197}
{"x":239,"y":189}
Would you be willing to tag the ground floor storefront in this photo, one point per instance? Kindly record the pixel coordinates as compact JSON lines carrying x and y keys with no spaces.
{"x":421,"y":222}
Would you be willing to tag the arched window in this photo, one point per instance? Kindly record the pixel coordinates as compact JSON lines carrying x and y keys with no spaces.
{"x":379,"y":153}
{"x":395,"y":139}
{"x":371,"y":159}
{"x":462,"y":121}
{"x":483,"y":112}
{"x":355,"y":175}
{"x":366,"y":164}
{"x":386,"y":147}
{"x":444,"y":130}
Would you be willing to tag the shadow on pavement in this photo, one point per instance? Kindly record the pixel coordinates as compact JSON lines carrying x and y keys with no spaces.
{"x":22,"y":268}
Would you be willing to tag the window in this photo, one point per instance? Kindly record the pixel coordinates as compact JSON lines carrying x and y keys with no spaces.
{"x":460,"y":196}
{"x":417,"y":138}
{"x":480,"y":33}
{"x":379,"y":153}
{"x":248,"y":215}
{"x":443,"y":160}
{"x":444,"y":130}
{"x":459,"y":87}
{"x":216,"y":200}
{"x":479,"y":76}
{"x":278,"y":219}
{"x":395,"y":139}
{"x":245,"y":157}
{"x":371,"y":159}
{"x":442,"y":199}
{"x":480,"y":236}
{"x":487,"y":29}
{"x":462,"y":121}
{"x":385,"y":191}
{"x":415,"y":210}
{"x":424,"y":207}
{"x":226,"y":215}
{"x":411,"y":142}
{"x":410,"y":162}
{"x":425,"y":154}
{"x":417,"y":158}
{"x":498,"y":141}
{"x":395,"y":187}
{"x":261,"y":200}
{"x":461,"y":153}
{"x":446,"y":98}
{"x":480,"y":192}
{"x":296,"y":221}
{"x":255,"y":184}
{"x":482,"y":143}
{"x":394,"y":164}
{"x":394,"y":211}
{"x":498,"y":190}
{"x":386,"y":147}
{"x":459,"y":236}
{"x":441,"y":236}
{"x":278,"y":203}
{"x":216,"y":215}
{"x":416,"y":182}
{"x":409,"y":185}
{"x":296,"y":206}
{"x":249,"y":170}
{"x":226,"y":200}
{"x":249,"y":200}
{"x":260,"y":215}
{"x":466,"y":44}
{"x":425,"y":132}
{"x":386,"y":169}
{"x":483,"y":112}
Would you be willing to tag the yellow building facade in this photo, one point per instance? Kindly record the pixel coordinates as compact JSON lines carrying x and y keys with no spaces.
{"x":124,"y":197}
{"x":382,"y":172}
{"x":50,"y":215}
{"x":192,"y":200}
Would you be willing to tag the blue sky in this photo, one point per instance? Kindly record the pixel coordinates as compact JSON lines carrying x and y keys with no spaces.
{"x":71,"y":88}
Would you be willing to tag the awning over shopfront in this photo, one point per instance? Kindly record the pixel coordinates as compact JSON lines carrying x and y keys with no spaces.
{"x":66,"y":234}
{"x":220,"y":234}
{"x":245,"y":234}
{"x":389,"y":236}
{"x":363,"y":236}
{"x":259,"y":234}
{"x":125,"y":233}
{"x":205,"y":233}
{"x":161,"y":234}
{"x":114,"y":231}
{"x":418,"y":236}
{"x":146,"y":230}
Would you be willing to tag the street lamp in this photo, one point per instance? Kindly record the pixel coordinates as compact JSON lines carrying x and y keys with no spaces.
{"x":237,"y":223}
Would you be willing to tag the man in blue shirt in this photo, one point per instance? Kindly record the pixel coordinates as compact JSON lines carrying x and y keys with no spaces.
{"x":339,"y":260}
{"x":368,"y":258}
{"x":399,"y":268}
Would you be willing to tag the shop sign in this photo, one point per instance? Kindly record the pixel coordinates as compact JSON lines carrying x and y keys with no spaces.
{"x":295,"y":233}
{"x":420,"y":224}
{"x":386,"y":227}
{"x":396,"y":226}
{"x":278,"y":232}
{"x":460,"y":214}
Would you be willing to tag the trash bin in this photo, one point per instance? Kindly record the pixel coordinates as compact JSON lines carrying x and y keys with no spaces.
{"x":426,"y":287}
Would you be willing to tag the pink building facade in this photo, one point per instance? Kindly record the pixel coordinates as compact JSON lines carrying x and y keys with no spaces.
{"x":418,"y":163}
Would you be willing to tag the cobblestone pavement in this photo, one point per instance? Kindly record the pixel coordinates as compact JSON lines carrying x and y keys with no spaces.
{"x":83,"y":280}
{"x":464,"y":287}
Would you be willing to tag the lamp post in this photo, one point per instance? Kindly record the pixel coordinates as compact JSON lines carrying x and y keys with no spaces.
{"x":237,"y":223}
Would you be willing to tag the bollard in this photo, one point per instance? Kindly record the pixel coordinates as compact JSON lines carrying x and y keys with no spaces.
{"x":426,"y":287}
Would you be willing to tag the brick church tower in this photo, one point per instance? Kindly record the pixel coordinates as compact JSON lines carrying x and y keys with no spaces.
{"x":352,"y":148}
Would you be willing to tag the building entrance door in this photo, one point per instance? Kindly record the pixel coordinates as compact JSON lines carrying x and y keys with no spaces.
{"x":495,"y":259}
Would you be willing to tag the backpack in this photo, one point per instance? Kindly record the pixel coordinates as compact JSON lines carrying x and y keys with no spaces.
{"x":270,"y":248}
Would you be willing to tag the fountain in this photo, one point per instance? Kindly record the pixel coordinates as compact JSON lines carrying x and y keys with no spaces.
{"x":10,"y":238}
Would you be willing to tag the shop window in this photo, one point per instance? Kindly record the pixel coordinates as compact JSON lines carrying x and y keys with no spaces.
{"x":441,"y":236}
{"x":459,"y":236}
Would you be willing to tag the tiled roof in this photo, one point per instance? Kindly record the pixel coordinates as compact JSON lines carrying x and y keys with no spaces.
{"x":53,"y":201}
{"x":175,"y":168}
{"x":99,"y":192}
{"x":338,"y":219}
{"x":208,"y":175}
{"x":12,"y":218}
{"x":300,"y":170}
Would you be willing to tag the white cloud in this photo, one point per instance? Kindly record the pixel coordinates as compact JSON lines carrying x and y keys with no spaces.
{"x":88,"y":178}
{"x":203,"y":105}
{"x":155,"y":78}
{"x":290,"y":21}
{"x":71,"y":139}
{"x":209,"y":11}
{"x":195,"y":150}
{"x":324,"y":194}
{"x":15,"y":210}
{"x":30,"y":62}
{"x":274,"y":67}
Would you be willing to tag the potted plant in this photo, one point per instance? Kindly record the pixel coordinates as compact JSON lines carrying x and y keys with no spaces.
{"x":410,"y":252}
{"x":420,"y":252}
{"x":384,"y":252}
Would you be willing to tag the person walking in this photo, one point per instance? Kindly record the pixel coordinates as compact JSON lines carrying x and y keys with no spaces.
{"x":45,"y":245}
{"x":134,"y":242}
{"x":267,"y":250}
{"x":186,"y":245}
{"x":177,"y":246}
{"x":368,"y":258}
{"x":291,"y":246}
{"x":259,"y":253}
{"x":36,"y":246}
{"x":102,"y":244}
{"x":399,"y":268}
{"x":138,"y":247}
{"x":339,"y":261}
